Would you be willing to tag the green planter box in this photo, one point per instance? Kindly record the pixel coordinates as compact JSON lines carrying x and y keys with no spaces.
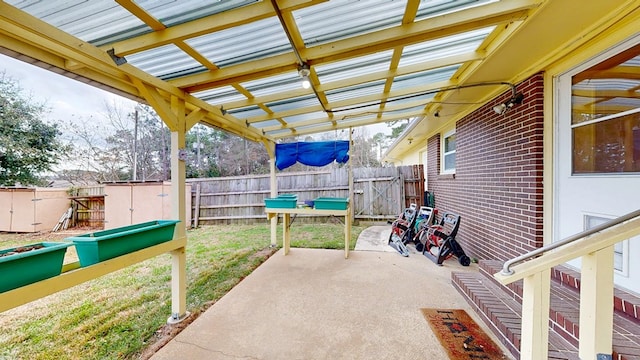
{"x":107,"y":244}
{"x":287,"y":202}
{"x":27,"y":267}
{"x":287,"y":196}
{"x":327,"y":203}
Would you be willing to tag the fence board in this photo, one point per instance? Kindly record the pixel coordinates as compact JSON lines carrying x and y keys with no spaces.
{"x":378,"y":193}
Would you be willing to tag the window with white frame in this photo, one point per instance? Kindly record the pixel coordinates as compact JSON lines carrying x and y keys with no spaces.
{"x":448,"y":151}
{"x":605,"y":119}
{"x":620,"y":249}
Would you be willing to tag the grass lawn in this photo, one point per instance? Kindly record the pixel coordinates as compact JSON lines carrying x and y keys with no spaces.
{"x":123,"y":315}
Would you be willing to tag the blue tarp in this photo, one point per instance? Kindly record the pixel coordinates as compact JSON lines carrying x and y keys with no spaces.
{"x":318,"y":153}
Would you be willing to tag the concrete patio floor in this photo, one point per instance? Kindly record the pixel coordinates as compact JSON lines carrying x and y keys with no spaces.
{"x":314,"y":304}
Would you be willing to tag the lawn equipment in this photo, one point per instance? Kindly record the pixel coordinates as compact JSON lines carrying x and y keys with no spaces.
{"x":408,"y":225}
{"x":402,"y":230}
{"x":425,"y":218}
{"x":438,"y":243}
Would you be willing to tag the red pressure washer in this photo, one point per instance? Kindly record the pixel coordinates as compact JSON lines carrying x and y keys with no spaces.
{"x":438,"y":242}
{"x":409,"y":224}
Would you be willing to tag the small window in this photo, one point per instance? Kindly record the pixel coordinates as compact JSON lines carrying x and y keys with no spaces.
{"x":449,"y":152}
{"x":620,"y":249}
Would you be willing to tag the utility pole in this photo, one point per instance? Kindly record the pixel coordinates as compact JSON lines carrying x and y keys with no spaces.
{"x":198,"y":145}
{"x":135,"y":146}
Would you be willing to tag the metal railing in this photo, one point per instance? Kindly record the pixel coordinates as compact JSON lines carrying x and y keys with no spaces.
{"x":619,"y":220}
{"x":595,"y":248}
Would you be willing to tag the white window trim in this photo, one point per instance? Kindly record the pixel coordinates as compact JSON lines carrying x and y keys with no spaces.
{"x":445,"y":135}
{"x":624,"y":271}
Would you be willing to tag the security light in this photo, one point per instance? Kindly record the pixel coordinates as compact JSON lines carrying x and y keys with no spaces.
{"x":502,"y":108}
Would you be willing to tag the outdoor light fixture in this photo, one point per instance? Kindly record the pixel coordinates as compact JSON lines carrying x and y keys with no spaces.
{"x":502,"y":108}
{"x":303,"y":72}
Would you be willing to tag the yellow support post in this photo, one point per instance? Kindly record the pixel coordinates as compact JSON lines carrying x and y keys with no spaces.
{"x":178,"y":207}
{"x":596,"y":304}
{"x":534,"y":343}
{"x":271,"y":150}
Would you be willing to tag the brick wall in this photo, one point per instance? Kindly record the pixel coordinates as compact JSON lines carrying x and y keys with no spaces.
{"x":497,"y":187}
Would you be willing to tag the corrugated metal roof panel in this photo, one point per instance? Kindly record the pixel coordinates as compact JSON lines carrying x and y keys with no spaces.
{"x":352,"y":92}
{"x":247,"y":112}
{"x":432,"y":8}
{"x":273,"y":84}
{"x":355,"y":67}
{"x":93,"y":21}
{"x":294,"y":103}
{"x":425,"y":77}
{"x":424,"y":98}
{"x":303,"y":117}
{"x":338,"y":19}
{"x":220,"y":95}
{"x":253,"y":41}
{"x":281,"y":132}
{"x":268,"y":123}
{"x":447,"y":46}
{"x":172,"y":12}
{"x":104,"y":21}
{"x":166,"y":62}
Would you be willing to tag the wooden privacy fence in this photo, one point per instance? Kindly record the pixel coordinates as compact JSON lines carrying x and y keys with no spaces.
{"x":379,"y":194}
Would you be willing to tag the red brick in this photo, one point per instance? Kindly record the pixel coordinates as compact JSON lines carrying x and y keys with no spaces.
{"x":498,"y":174}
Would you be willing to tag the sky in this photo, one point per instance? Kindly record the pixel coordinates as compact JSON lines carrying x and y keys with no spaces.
{"x":65,"y":97}
{"x":69,"y":99}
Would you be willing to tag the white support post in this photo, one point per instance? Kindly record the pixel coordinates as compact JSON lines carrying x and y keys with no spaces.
{"x":534,"y":343}
{"x":178,"y":208}
{"x":596,"y":304}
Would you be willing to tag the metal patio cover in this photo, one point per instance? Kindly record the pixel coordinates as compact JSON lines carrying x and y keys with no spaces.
{"x":236,"y":63}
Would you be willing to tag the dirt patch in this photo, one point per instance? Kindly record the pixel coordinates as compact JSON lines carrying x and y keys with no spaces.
{"x":44,"y":236}
{"x":165,"y":334}
{"x":22,"y":249}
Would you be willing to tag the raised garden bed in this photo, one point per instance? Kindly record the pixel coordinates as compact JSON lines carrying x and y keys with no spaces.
{"x":107,"y":244}
{"x":27,"y":264}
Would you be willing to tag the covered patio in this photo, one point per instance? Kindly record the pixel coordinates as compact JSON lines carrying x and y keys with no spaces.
{"x":368,"y":307}
{"x":273,"y":71}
